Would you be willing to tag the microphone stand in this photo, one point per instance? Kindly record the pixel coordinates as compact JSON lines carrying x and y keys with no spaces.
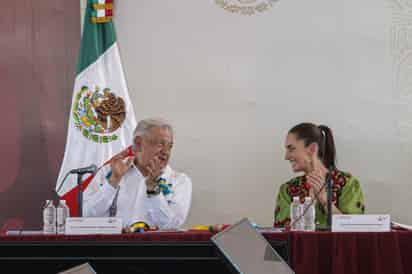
{"x":79,"y":195}
{"x":80,"y":172}
{"x":328,"y":187}
{"x":329,"y":201}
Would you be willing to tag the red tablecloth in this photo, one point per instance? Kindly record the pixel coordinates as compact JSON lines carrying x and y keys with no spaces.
{"x":311,"y":252}
{"x":195,"y":236}
{"x":352,"y":253}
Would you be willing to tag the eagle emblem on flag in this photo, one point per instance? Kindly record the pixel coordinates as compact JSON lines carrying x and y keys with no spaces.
{"x":99,"y":113}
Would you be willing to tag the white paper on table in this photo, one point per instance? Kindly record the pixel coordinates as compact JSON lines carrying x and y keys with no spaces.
{"x":407,"y":227}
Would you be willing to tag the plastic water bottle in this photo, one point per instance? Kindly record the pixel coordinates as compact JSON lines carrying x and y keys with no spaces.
{"x":62,"y":214}
{"x":296,"y":218}
{"x":49,"y":218}
{"x":309,"y":218}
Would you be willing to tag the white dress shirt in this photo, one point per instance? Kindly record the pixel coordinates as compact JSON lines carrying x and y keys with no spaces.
{"x":133,"y":204}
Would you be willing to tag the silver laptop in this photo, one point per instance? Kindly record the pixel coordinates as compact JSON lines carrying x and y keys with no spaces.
{"x":248,"y":251}
{"x":80,"y":269}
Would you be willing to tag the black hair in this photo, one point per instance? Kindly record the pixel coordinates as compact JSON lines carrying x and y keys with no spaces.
{"x":322,"y":136}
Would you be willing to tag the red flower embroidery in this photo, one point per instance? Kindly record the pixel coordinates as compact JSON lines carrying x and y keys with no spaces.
{"x":299,"y":187}
{"x":284,"y":223}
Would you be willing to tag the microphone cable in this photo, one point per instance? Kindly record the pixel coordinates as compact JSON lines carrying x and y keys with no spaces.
{"x":64,"y":179}
{"x":312,"y":202}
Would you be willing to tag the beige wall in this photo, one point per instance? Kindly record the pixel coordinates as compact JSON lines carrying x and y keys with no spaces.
{"x":234,"y":84}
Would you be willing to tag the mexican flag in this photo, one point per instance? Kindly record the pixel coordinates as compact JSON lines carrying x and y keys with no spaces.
{"x":102,"y":119}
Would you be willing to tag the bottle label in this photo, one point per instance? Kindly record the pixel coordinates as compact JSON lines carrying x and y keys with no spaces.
{"x":61,"y":215}
{"x":48,"y":216}
{"x":49,"y":219}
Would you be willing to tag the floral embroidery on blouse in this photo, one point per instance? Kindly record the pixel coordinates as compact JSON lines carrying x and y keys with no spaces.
{"x":300,"y":187}
{"x":284,"y":223}
{"x":347,"y":196}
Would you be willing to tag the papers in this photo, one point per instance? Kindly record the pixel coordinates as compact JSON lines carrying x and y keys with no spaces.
{"x":24,"y":232}
{"x":270,"y":229}
{"x":402,"y":226}
{"x":163,"y":231}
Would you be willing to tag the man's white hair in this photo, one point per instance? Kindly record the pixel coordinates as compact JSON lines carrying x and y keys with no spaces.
{"x":146,"y":124}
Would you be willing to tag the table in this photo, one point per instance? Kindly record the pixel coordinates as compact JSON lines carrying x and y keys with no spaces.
{"x":149,"y":252}
{"x":177,"y":252}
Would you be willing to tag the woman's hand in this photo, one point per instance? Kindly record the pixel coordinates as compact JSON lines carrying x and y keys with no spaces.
{"x":316,"y":179}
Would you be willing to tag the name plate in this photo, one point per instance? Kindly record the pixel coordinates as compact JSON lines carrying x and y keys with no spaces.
{"x":361,"y":223}
{"x":93,"y":225}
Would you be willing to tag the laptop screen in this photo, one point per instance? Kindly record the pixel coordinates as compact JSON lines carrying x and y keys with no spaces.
{"x":248,"y":251}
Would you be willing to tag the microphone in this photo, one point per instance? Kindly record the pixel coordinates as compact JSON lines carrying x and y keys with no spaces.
{"x":328,"y":183}
{"x":84,"y":170}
